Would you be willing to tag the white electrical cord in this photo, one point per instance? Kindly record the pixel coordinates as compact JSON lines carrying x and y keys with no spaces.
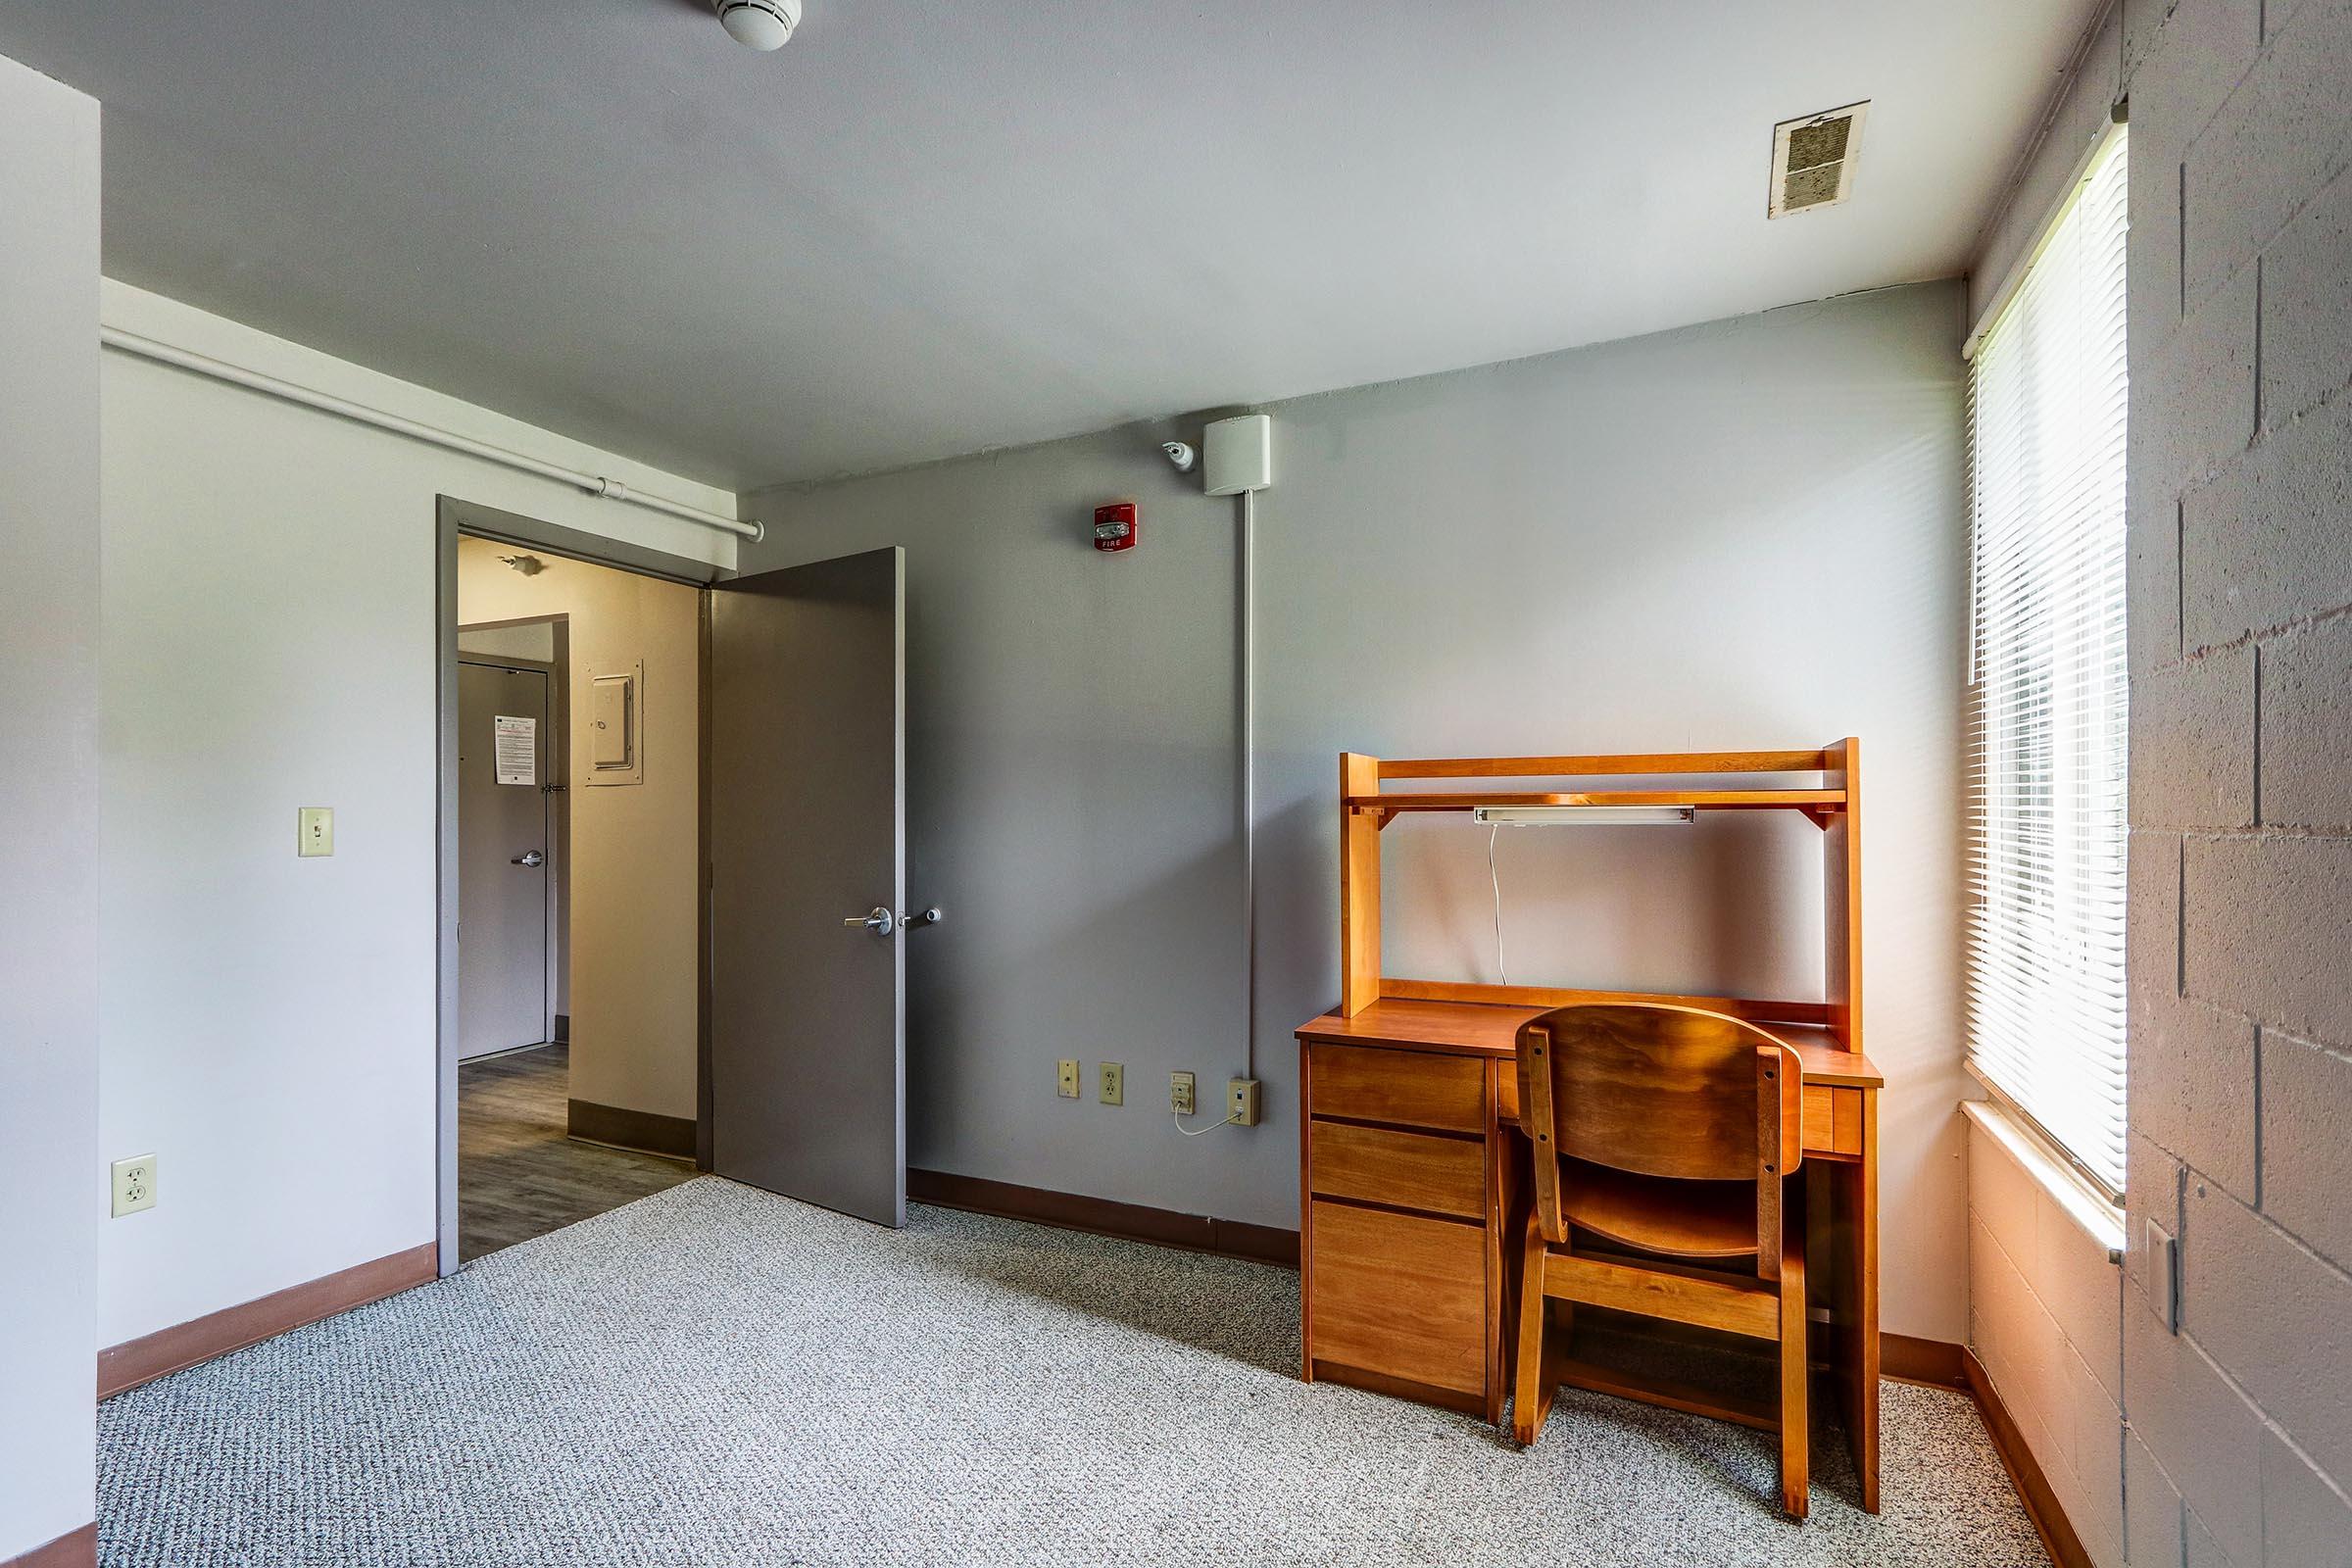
{"x":1247,"y":657}
{"x":1494,"y":878}
{"x":1203,"y":1132}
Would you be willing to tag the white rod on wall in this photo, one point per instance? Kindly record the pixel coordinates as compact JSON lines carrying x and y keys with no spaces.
{"x":147,"y":348}
{"x":1248,"y":656}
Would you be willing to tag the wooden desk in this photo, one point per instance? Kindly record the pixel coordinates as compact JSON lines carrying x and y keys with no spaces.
{"x":1411,"y":1208}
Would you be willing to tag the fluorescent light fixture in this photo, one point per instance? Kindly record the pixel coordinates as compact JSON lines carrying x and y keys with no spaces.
{"x":1583,"y":816}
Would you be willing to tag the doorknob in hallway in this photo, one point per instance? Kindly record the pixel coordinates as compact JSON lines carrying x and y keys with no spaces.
{"x":529,"y":858}
{"x":879,"y":920}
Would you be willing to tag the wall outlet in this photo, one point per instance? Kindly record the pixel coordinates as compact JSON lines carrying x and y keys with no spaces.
{"x":314,"y":830}
{"x":1241,"y":1101}
{"x":134,"y":1184}
{"x":1180,"y":1092}
{"x":1065,"y":1082}
{"x":1115,"y":1084}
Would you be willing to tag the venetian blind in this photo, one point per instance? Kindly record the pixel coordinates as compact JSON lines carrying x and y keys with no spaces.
{"x":2047,"y":683}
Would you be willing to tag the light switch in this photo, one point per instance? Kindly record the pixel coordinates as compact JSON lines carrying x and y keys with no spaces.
{"x":315,"y":831}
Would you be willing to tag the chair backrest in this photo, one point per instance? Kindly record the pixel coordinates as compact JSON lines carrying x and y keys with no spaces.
{"x":1659,"y":1090}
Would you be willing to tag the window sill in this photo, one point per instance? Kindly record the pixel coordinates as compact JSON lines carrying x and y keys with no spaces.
{"x":2090,"y":1209}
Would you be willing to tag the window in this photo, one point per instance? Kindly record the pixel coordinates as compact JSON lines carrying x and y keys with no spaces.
{"x":2047,"y":684}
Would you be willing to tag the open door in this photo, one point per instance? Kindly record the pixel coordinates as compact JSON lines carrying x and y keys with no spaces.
{"x":807,"y":772}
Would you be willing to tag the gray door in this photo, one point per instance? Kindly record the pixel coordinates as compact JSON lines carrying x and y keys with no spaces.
{"x":808,"y":838}
{"x":502,"y":858}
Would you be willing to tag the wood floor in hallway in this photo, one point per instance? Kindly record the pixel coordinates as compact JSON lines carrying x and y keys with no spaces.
{"x":518,"y":1175}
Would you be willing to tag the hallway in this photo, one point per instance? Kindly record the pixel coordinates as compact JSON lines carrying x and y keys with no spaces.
{"x":518,"y":1175}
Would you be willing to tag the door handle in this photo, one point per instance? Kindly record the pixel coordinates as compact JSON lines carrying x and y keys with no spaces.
{"x":529,"y":858}
{"x":879,"y":920}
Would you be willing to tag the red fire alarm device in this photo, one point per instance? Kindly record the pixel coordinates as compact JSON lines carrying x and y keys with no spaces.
{"x":1115,"y":526}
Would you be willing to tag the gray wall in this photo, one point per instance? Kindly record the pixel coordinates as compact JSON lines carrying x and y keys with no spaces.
{"x":2242,"y":794}
{"x":51,"y":1189}
{"x":1744,"y":534}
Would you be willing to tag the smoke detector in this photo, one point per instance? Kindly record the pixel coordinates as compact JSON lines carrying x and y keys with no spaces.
{"x":1813,"y":160}
{"x":762,"y":25}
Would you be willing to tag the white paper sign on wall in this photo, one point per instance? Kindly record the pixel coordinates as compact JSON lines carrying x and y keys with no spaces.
{"x":517,"y":750}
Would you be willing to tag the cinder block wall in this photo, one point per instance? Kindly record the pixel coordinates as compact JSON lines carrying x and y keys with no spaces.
{"x":2239,"y":1440}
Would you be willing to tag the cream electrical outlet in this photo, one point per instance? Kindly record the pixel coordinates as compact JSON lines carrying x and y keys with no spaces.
{"x":134,"y":1184}
{"x":1065,"y":1083}
{"x":1180,"y":1092}
{"x":314,"y":830}
{"x":1113,"y":1084}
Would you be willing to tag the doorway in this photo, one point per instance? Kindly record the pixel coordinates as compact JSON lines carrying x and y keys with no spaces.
{"x":578,"y":799}
{"x":733,"y":916}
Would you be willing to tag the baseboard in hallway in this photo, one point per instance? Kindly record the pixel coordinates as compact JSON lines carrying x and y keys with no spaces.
{"x":184,"y":1344}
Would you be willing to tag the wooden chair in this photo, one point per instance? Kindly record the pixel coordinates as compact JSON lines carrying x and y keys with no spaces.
{"x":1662,"y":1139}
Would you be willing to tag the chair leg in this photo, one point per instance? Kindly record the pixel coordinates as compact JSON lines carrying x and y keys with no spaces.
{"x":1797,"y":1428}
{"x":1531,"y":1397}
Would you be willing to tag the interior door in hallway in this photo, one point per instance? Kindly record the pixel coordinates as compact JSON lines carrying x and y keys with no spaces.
{"x":806,"y":820}
{"x":502,"y":858}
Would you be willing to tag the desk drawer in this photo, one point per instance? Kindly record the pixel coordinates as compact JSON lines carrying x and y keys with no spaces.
{"x":1413,"y":1088}
{"x":1399,"y":1295}
{"x":1404,"y":1170}
{"x":1832,"y":1119}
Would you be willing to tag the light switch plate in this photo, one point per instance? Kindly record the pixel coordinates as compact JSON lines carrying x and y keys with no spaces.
{"x":315,"y":831}
{"x":134,"y":1184}
{"x":1113,"y":1084}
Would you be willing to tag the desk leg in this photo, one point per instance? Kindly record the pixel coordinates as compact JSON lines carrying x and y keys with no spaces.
{"x":1843,"y":1212}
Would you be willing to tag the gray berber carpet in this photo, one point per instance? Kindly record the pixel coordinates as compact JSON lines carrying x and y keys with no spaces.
{"x":713,"y":1375}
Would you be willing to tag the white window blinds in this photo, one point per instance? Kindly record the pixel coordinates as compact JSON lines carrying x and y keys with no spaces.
{"x":2047,"y":684}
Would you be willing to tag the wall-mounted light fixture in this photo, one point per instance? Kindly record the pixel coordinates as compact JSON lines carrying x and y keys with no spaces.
{"x":1583,"y":816}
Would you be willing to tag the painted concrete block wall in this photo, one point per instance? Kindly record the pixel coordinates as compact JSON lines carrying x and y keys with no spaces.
{"x":631,"y":882}
{"x":2240,"y":1440}
{"x":268,"y":597}
{"x":1743,"y":534}
{"x":52,"y":1190}
{"x":2045,"y":1321}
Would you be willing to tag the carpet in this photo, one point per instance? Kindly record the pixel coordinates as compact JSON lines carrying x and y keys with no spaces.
{"x":714,"y":1375}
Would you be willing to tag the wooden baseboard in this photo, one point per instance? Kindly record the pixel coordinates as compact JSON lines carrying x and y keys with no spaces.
{"x":2058,"y":1537}
{"x":1134,"y":1222}
{"x":143,"y":1361}
{"x":76,"y":1548}
{"x":1934,"y":1362}
{"x":623,"y":1128}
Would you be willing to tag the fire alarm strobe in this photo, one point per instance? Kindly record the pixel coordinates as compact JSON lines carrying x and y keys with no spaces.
{"x":1115,"y":525}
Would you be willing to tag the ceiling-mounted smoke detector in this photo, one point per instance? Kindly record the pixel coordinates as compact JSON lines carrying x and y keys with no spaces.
{"x":1813,"y":159}
{"x":762,"y":25}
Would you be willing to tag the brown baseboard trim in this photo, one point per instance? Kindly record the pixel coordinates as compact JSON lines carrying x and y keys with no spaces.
{"x":1934,"y":1362}
{"x":166,"y":1351}
{"x":76,"y":1548}
{"x":2058,"y":1537}
{"x":672,"y":1136}
{"x":1134,"y":1222}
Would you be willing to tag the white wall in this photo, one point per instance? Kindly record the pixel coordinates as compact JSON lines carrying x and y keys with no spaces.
{"x":50,"y":1189}
{"x":635,"y":939}
{"x":269,"y":601}
{"x":1745,"y":534}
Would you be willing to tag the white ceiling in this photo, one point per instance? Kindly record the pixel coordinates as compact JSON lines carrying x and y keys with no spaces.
{"x":922,"y":229}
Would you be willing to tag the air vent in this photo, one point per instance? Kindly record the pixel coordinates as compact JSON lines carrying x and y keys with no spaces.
{"x":1813,"y":159}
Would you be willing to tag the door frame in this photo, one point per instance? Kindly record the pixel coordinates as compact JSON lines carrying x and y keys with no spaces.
{"x":452,"y":517}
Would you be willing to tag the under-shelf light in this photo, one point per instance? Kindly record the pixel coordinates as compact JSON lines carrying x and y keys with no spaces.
{"x":1583,"y":816}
